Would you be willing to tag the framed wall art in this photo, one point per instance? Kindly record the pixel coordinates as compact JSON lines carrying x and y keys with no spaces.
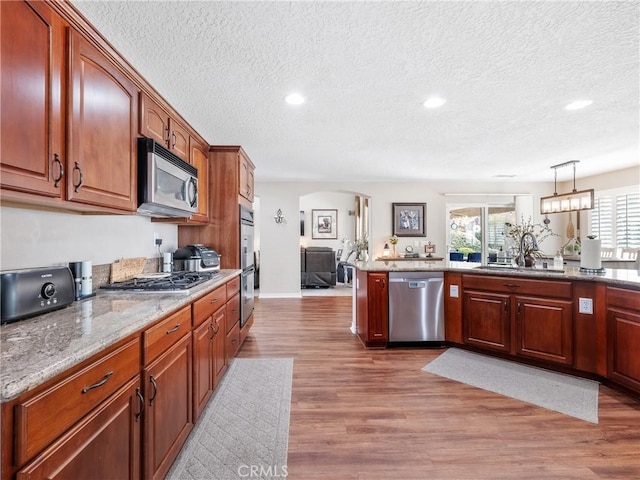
{"x":324,"y":224}
{"x":409,"y":219}
{"x":302,"y":223}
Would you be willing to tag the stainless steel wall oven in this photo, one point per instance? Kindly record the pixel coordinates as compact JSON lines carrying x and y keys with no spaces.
{"x":246,"y":264}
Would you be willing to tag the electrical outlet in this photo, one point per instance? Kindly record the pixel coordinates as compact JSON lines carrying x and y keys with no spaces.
{"x":453,"y":291}
{"x":156,"y":239}
{"x":585,"y":305}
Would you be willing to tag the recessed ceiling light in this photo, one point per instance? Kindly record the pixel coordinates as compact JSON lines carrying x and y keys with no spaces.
{"x":434,"y":102}
{"x":294,"y":99}
{"x":578,"y":104}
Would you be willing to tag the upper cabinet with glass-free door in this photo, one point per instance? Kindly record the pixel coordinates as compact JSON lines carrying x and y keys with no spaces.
{"x":103,"y":108}
{"x":156,"y":123}
{"x":32,"y":149}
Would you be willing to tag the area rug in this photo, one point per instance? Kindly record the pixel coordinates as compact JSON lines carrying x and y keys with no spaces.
{"x":244,"y":430}
{"x":566,"y":394}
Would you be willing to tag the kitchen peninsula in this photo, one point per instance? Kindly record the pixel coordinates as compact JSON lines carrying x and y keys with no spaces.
{"x":570,"y":321}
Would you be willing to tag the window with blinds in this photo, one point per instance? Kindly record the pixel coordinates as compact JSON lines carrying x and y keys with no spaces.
{"x":616,"y":220}
{"x":628,"y":220}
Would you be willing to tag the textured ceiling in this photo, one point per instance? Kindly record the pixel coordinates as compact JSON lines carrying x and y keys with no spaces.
{"x":507,"y":69}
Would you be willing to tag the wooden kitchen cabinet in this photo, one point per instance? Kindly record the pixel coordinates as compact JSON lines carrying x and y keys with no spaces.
{"x":52,"y":428}
{"x":209,"y":336}
{"x":623,"y":334}
{"x":103,"y":109}
{"x":246,"y":183}
{"x":199,"y":158}
{"x":544,"y":329}
{"x":156,"y":123}
{"x":167,"y":381}
{"x":106,"y":440}
{"x":520,"y":316}
{"x":487,"y":320}
{"x":33,"y":153}
{"x":372,"y":308}
{"x":222,"y":233}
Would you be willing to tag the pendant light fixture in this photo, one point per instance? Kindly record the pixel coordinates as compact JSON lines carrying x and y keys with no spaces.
{"x":566,"y":202}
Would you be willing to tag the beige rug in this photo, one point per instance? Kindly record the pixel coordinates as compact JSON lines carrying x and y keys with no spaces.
{"x":574,"y":396}
{"x":244,"y":430}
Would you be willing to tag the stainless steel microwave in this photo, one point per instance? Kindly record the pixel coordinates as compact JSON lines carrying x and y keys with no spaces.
{"x":167,"y":185}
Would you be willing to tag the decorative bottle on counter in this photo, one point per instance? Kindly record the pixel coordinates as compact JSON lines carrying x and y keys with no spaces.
{"x":558,"y":261}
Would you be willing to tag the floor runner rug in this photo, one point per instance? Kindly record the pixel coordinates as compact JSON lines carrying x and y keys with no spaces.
{"x":566,"y":394}
{"x":244,"y":430}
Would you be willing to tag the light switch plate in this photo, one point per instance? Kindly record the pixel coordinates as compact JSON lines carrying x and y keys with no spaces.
{"x":585,"y":305}
{"x":453,"y":291}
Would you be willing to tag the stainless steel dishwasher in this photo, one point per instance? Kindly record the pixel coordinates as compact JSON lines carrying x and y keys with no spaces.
{"x":416,"y":307}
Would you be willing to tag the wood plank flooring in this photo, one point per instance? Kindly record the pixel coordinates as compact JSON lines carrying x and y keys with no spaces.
{"x":373,"y":414}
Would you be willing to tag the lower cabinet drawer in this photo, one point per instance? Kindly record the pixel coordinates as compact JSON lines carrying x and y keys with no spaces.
{"x":105,"y":443}
{"x":232,"y":341}
{"x":161,"y":336}
{"x":44,"y":417}
{"x":233,"y":312}
{"x":518,"y":285}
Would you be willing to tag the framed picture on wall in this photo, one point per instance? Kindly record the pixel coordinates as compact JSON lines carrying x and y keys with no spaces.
{"x":409,"y":219}
{"x":302,"y":223}
{"x":324,"y":224}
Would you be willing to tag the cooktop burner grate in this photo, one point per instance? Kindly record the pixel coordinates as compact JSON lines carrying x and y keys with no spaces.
{"x":176,"y":282}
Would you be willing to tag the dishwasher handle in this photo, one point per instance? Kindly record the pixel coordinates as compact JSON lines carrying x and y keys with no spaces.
{"x":417,"y":284}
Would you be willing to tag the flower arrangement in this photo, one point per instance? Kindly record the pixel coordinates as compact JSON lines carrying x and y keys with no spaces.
{"x":540,"y":232}
{"x":362,"y":244}
{"x":393,"y":241}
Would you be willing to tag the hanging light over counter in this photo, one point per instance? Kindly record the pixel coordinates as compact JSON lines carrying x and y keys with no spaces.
{"x":567,"y":202}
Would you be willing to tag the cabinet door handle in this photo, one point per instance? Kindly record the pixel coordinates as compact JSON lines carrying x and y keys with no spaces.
{"x":506,"y":307}
{"x":174,"y":329}
{"x":104,"y":380}
{"x":56,"y":181}
{"x":518,"y":311}
{"x":80,"y":179}
{"x":166,"y":129}
{"x":141,"y":398}
{"x":155,"y":390}
{"x":175,"y":140}
{"x":213,"y":333}
{"x":214,"y":300}
{"x":511,"y":285}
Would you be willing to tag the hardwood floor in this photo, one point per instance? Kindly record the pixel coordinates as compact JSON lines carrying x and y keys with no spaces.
{"x":373,"y":414}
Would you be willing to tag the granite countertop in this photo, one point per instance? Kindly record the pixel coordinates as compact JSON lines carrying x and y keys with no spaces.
{"x":614,"y":277}
{"x":35,"y":350}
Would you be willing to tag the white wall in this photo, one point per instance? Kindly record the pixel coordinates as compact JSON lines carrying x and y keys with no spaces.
{"x":346,"y":224}
{"x":33,"y":238}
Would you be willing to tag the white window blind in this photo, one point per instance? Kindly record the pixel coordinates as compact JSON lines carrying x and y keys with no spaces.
{"x":615,"y":219}
{"x":602,"y":221}
{"x":628,"y":220}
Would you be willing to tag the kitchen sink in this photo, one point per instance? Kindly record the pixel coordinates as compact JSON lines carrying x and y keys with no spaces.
{"x":514,"y":268}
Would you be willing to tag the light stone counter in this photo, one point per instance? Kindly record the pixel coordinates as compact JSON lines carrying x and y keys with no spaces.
{"x":613,"y":277}
{"x":35,"y":350}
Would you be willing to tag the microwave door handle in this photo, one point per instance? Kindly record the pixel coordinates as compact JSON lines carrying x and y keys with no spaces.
{"x":192,"y":189}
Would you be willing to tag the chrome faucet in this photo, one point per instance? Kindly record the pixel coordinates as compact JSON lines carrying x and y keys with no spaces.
{"x":535,"y":247}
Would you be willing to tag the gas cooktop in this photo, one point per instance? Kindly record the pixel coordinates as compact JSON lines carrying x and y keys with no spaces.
{"x":174,"y":282}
